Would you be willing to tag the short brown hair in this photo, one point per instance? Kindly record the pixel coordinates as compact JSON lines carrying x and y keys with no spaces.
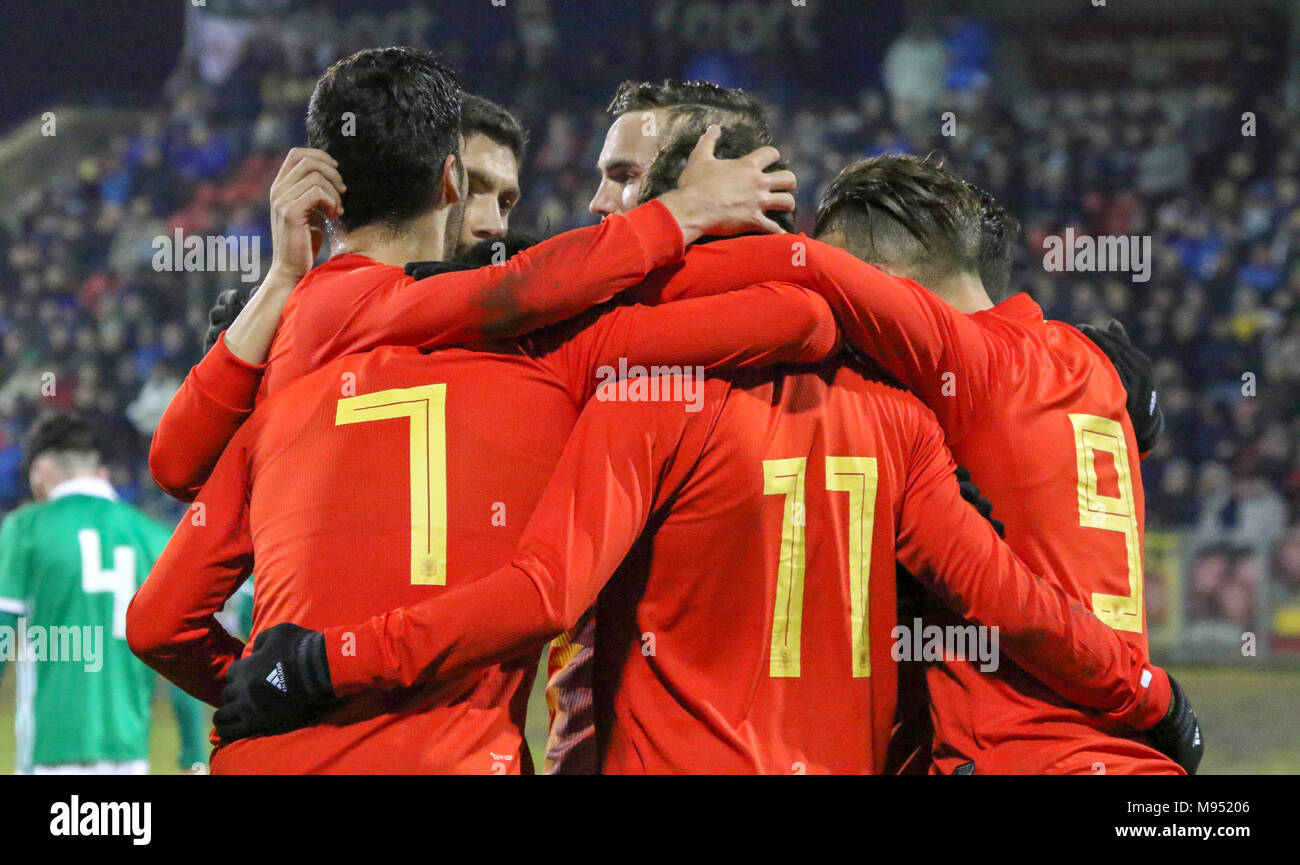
{"x":484,"y":117}
{"x":676,"y":93}
{"x":907,"y":211}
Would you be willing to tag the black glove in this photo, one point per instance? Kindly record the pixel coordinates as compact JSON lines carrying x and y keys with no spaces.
{"x":971,"y":493}
{"x":427,"y":269}
{"x":283,"y":685}
{"x":1178,"y":735}
{"x":482,"y":254}
{"x":1135,"y":372}
{"x":222,"y":315}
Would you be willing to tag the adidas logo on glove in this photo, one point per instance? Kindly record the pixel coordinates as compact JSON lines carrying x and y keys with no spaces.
{"x":276,"y":677}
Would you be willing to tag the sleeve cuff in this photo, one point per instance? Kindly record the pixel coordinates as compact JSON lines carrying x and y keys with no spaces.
{"x":353,"y":654}
{"x":662,"y":242}
{"x":1151,"y":704}
{"x":227,"y":379}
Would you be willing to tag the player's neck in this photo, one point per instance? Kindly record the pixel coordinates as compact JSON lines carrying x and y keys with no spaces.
{"x":422,"y":239}
{"x":966,"y":292}
{"x":57,"y":485}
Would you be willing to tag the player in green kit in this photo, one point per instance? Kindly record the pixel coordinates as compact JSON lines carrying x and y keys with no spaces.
{"x":69,"y":565}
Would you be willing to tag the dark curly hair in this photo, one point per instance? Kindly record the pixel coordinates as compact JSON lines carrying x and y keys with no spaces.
{"x":61,"y":433}
{"x":404,"y":119}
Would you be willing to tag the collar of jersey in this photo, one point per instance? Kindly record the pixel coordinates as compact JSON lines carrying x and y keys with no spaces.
{"x":346,"y":260}
{"x":97,"y":487}
{"x":342,"y":262}
{"x":1018,"y":307}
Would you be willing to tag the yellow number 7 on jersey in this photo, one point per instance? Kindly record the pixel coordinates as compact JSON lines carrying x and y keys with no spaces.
{"x":425,"y":406}
{"x":1093,"y":434}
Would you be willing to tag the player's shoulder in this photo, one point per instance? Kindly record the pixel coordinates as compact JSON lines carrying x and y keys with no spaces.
{"x":24,"y":514}
{"x":110,"y":503}
{"x":343,"y":376}
{"x":350,"y":272}
{"x":1078,"y":359}
{"x":341,"y":283}
{"x":77,"y":506}
{"x":362,"y":375}
{"x":873,"y":380}
{"x":886,"y":406}
{"x":640,"y":392}
{"x":134,"y":521}
{"x":846,"y":389}
{"x":1040,"y":348}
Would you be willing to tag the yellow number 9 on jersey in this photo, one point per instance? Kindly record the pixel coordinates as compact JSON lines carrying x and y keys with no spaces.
{"x":1093,"y":435}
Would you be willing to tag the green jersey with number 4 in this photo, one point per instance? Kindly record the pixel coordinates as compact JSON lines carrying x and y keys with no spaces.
{"x":68,"y":569}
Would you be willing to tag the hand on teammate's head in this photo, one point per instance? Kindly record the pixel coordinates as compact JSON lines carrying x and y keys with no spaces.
{"x":726,"y":182}
{"x":307,"y":191}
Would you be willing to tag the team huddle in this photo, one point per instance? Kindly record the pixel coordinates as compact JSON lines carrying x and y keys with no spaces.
{"x":420,"y":450}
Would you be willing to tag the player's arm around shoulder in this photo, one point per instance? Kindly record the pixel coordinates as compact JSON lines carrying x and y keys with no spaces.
{"x":946,"y":544}
{"x":635,"y":445}
{"x":214,"y":400}
{"x":756,"y":326}
{"x":171,"y":622}
{"x":546,"y":283}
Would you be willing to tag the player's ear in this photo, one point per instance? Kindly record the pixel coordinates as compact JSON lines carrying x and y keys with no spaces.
{"x":453,"y":179}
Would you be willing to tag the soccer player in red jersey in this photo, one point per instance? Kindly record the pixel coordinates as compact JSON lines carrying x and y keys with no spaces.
{"x":756,"y":637}
{"x":384,"y":476}
{"x":647,"y":119}
{"x":1037,"y":413}
{"x":224,"y":384}
{"x":302,"y":491}
{"x":688,"y":616}
{"x":362,"y":298}
{"x":1031,"y":407}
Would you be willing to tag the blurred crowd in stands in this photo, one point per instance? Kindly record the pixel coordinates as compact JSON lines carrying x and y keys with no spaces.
{"x":86,"y":321}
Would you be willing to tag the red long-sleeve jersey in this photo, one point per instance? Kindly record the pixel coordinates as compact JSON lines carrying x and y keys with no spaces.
{"x":353,"y":303}
{"x":391,"y":476}
{"x":758,"y":631}
{"x":1037,"y":414}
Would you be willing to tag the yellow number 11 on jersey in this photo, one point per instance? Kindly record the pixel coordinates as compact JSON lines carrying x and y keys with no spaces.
{"x":856,"y":476}
{"x":425,"y":406}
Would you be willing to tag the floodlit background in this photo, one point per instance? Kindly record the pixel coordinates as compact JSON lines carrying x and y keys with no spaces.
{"x":1171,"y":119}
